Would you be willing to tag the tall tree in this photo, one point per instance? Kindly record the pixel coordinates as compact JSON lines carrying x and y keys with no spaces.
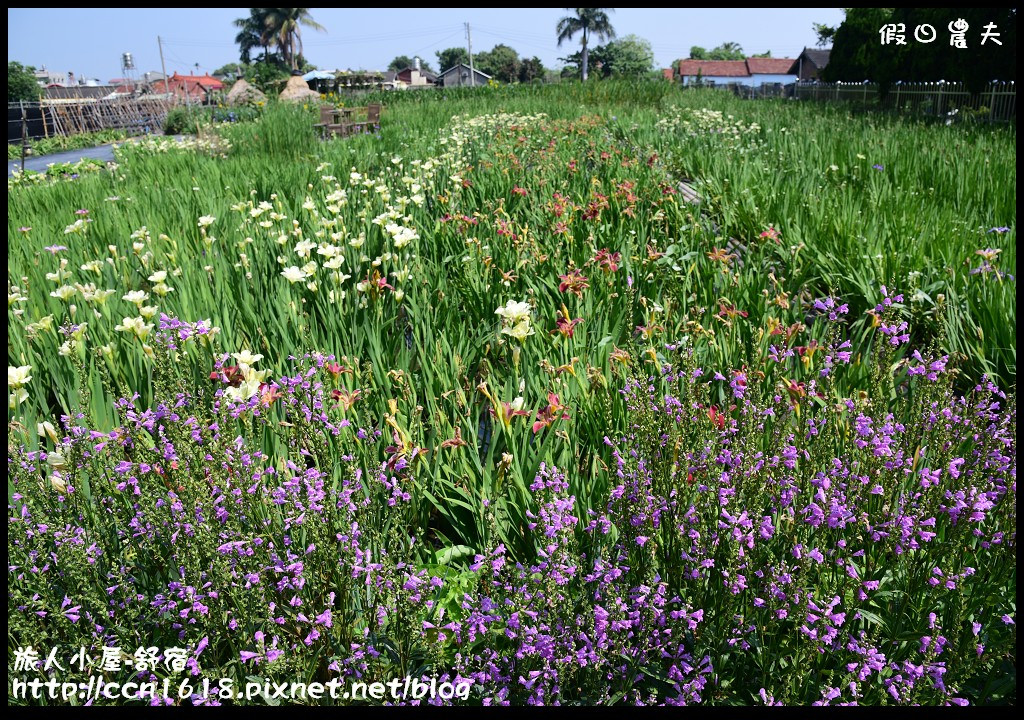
{"x":450,"y":57}
{"x":698,"y":53}
{"x":531,"y":69}
{"x":590,"y":22}
{"x":252,"y":34}
{"x":727,"y":51}
{"x":630,"y":56}
{"x":500,"y":62}
{"x":285,"y":26}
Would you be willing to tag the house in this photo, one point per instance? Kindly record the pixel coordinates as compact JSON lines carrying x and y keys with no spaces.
{"x":194,"y":88}
{"x":713,"y":72}
{"x":752,"y":72}
{"x":49,"y":78}
{"x":810,"y":63}
{"x":768,"y":71}
{"x":667,"y":74}
{"x":459,"y":76}
{"x":415,"y":77}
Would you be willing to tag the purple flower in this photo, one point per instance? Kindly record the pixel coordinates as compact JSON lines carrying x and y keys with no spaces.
{"x":878,"y":167}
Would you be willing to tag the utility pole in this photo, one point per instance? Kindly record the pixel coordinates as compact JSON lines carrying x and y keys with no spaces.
{"x":469,"y":48}
{"x":163,"y":67}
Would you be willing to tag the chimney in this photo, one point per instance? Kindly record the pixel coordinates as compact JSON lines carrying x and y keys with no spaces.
{"x":416,"y":64}
{"x":71,"y":78}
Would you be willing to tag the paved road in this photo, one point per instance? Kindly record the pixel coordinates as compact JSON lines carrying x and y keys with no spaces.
{"x":39,"y":162}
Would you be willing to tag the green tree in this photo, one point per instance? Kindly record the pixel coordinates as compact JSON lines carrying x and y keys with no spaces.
{"x":727,"y":51}
{"x":590,"y":22}
{"x":450,"y":57}
{"x":630,"y":56}
{"x":598,"y":58}
{"x":500,"y":62}
{"x":401,"y":62}
{"x":21,"y":83}
{"x":531,"y":69}
{"x":285,"y":26}
{"x":252,"y":34}
{"x":766,"y":54}
{"x":698,"y":53}
{"x":825,"y":34}
{"x":857,"y":53}
{"x":232,"y":69}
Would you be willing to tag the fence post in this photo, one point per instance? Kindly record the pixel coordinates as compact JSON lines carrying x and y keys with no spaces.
{"x":941,"y":88}
{"x":24,"y":135}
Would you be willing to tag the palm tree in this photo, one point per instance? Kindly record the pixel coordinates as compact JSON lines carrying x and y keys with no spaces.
{"x":732,"y":49}
{"x":283,"y":25}
{"x":252,"y":34}
{"x":591,"y":21}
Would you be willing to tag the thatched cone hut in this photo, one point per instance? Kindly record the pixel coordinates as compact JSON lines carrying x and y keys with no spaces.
{"x":298,"y":91}
{"x":243,"y":93}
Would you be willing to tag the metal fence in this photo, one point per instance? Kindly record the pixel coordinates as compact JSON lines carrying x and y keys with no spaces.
{"x":997,"y":102}
{"x":34,"y":120}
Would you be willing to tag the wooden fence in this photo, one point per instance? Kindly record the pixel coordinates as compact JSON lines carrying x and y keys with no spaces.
{"x":997,"y":102}
{"x":49,"y":119}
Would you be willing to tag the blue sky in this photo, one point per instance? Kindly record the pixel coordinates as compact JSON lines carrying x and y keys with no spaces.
{"x":89,"y":41}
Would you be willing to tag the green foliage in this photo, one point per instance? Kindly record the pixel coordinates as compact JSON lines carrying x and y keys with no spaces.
{"x":268,"y":76}
{"x":725,"y":51}
{"x":21,"y":83}
{"x":825,"y":34}
{"x":500,"y":62}
{"x":59,"y":143}
{"x":531,"y":69}
{"x":180,"y":120}
{"x":450,"y":57}
{"x":236,"y":70}
{"x":630,"y":56}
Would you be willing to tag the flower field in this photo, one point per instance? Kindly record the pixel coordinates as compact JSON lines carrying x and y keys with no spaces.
{"x":579,"y":394}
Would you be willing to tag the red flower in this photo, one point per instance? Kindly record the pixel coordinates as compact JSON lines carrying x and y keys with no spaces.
{"x":548,"y":415}
{"x":608,"y":260}
{"x":574,"y":282}
{"x":229,"y":374}
{"x":564,"y":325}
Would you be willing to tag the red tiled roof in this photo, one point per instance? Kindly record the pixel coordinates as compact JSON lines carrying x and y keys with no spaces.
{"x":769,"y":66}
{"x":714,"y":68}
{"x":736,"y":68}
{"x":667,"y":73}
{"x":208,"y":82}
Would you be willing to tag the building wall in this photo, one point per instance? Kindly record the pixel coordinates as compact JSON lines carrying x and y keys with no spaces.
{"x":748,"y":81}
{"x":454,"y":79}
